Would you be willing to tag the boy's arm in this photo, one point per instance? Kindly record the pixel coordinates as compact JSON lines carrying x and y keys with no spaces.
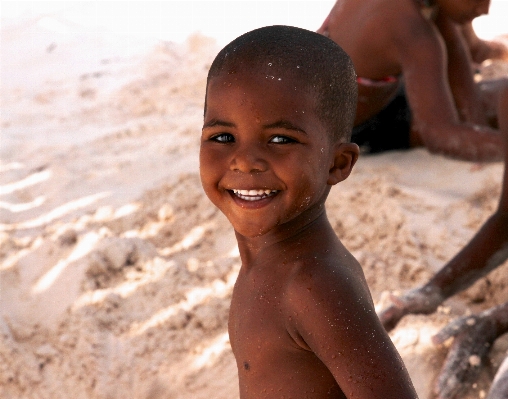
{"x":335,"y":316}
{"x":422,"y":54}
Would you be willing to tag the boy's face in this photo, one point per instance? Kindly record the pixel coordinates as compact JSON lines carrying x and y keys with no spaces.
{"x":462,"y":11}
{"x":265,"y":155}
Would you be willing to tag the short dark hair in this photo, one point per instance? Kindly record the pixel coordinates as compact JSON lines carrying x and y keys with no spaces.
{"x":322,"y":64}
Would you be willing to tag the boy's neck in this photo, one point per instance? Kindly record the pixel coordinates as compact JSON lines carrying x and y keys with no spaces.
{"x":252,"y":249}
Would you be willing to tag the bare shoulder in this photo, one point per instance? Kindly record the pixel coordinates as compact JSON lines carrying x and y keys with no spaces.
{"x":331,"y":313}
{"x":331,"y":274}
{"x":329,"y":286}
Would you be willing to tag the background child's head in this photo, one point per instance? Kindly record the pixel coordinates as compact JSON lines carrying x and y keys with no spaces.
{"x":325,"y":68}
{"x":462,"y":11}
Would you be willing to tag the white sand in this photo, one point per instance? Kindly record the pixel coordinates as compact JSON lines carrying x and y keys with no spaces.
{"x":116,"y":271}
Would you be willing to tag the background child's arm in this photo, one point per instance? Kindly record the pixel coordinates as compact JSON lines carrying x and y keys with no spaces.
{"x":423,"y":58}
{"x":460,"y":73}
{"x":503,"y":124}
{"x":482,"y":50}
{"x":487,"y":250}
{"x":473,"y":335}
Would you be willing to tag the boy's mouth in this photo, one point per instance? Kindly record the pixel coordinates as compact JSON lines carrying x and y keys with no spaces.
{"x":253,"y":195}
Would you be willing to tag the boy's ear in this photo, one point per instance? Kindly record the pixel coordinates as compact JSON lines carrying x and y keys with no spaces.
{"x":345,"y":157}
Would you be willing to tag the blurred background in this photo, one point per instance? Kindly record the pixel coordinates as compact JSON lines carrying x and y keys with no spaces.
{"x":176,"y":20}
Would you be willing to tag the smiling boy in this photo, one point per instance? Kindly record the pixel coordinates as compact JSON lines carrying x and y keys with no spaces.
{"x":279,"y":109}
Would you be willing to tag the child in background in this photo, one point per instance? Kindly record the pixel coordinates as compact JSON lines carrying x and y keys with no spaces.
{"x":482,"y":50}
{"x":415,"y":78}
{"x":474,"y":335}
{"x":279,"y":108}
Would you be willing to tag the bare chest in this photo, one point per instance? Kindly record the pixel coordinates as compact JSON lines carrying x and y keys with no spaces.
{"x":270,"y":362}
{"x":257,"y":318}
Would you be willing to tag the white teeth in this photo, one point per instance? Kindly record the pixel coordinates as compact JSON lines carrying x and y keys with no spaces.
{"x":253,"y":195}
{"x":252,"y":192}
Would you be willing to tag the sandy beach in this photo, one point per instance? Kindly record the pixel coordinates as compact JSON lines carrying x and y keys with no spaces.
{"x":116,"y":271}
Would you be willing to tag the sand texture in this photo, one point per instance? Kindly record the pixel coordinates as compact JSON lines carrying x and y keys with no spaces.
{"x":116,"y":271}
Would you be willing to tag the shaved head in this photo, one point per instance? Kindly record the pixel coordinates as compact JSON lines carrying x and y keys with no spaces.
{"x":323,"y":68}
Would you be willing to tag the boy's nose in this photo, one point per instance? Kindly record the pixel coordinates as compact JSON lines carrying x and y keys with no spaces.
{"x":248,"y":160}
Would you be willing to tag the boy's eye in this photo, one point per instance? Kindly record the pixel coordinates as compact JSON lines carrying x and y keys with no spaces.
{"x":223,"y":138}
{"x":282,"y":140}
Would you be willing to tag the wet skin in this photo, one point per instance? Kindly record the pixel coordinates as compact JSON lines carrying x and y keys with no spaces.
{"x":302,"y":322}
{"x":392,"y":38}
